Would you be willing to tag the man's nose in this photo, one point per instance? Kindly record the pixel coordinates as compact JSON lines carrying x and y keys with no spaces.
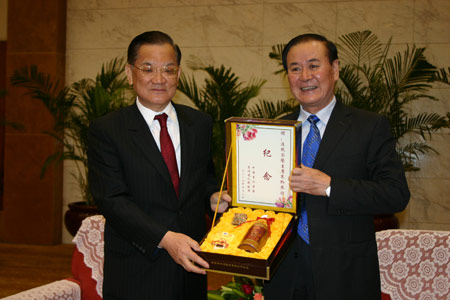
{"x":158,"y":77}
{"x":305,"y":75}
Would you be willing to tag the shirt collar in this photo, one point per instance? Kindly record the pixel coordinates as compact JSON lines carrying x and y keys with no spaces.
{"x":323,"y":115}
{"x":149,"y":115}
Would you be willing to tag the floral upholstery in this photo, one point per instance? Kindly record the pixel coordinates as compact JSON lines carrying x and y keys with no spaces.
{"x":414,"y":264}
{"x":87,"y":261}
{"x":65,"y":289}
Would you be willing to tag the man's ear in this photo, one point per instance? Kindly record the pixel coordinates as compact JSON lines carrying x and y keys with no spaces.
{"x":179,"y":73}
{"x":335,"y":66}
{"x":129,"y":73}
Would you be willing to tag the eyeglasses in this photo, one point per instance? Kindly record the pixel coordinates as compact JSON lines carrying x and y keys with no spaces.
{"x":150,"y":71}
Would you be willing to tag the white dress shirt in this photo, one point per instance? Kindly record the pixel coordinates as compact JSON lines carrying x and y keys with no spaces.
{"x":323,"y":115}
{"x":172,"y":126}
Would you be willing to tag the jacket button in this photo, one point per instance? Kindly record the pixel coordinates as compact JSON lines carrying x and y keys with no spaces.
{"x":180,"y":213}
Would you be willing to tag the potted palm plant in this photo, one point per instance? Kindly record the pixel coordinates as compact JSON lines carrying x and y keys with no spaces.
{"x":73,"y":107}
{"x":373,"y":81}
{"x":387,"y":85}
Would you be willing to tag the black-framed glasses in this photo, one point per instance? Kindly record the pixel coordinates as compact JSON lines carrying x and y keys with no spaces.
{"x":150,"y":71}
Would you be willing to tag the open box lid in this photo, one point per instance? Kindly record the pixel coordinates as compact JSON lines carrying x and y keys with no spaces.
{"x":263,"y":154}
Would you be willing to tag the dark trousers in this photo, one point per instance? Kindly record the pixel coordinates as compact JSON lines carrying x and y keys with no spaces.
{"x":294,"y":278}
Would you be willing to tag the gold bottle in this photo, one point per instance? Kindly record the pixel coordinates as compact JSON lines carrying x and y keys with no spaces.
{"x":256,"y":237}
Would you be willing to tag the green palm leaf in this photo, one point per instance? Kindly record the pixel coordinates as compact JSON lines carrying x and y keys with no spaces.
{"x":270,"y":110}
{"x":360,"y":48}
{"x":442,"y":75}
{"x":276,"y":54}
{"x":73,"y":108}
{"x":40,"y":86}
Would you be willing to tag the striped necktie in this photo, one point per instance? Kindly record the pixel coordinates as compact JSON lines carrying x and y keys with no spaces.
{"x":167,"y":151}
{"x":310,"y":148}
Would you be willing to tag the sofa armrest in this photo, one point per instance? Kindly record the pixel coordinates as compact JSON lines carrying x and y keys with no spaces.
{"x":83,"y":274}
{"x":87,"y":260}
{"x":57,"y":290}
{"x":414,"y":263}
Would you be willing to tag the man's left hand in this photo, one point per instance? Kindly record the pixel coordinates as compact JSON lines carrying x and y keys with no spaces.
{"x":224,"y":202}
{"x":309,"y":181}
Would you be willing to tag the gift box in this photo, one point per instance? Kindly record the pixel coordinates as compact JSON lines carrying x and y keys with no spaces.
{"x":253,"y":235}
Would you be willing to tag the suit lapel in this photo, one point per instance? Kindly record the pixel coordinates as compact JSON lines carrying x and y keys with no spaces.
{"x":337,"y":125}
{"x":143,"y":138}
{"x":187,"y":140}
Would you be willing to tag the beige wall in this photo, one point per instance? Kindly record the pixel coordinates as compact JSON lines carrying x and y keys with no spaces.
{"x":240,"y":33}
{"x":3,"y":19}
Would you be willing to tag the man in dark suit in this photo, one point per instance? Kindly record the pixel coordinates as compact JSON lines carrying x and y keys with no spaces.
{"x":151,"y":175}
{"x":355,"y":174}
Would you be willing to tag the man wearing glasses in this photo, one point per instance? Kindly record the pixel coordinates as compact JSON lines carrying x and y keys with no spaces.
{"x":152,"y":176}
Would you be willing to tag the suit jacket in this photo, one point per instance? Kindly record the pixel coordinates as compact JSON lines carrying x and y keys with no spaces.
{"x":367,"y":178}
{"x":132,"y":187}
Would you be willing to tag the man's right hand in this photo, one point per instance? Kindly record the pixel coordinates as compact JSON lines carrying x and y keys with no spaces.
{"x":309,"y":181}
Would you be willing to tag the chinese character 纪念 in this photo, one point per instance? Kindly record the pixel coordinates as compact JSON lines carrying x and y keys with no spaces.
{"x":266,"y":153}
{"x":267,"y":176}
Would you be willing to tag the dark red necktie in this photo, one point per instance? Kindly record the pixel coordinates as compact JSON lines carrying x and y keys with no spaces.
{"x":167,"y":151}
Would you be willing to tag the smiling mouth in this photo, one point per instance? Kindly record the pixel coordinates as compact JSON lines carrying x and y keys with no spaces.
{"x":308,"y":88}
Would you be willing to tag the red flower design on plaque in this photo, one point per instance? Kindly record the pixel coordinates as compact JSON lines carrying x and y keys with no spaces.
{"x":248,"y":132}
{"x":250,"y":135}
{"x":283,"y":202}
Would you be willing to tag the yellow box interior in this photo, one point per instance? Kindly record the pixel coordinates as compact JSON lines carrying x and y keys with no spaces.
{"x":237,"y":233}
